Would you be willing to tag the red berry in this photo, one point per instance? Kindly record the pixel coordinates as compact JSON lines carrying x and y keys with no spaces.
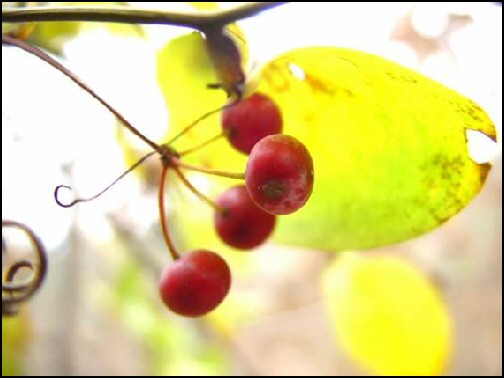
{"x":279,"y":174}
{"x":250,"y":120}
{"x":196,"y":283}
{"x":241,"y":223}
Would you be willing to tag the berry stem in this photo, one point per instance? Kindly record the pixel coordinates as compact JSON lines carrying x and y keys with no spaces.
{"x":231,"y":175}
{"x":162,"y":215}
{"x":200,"y":146}
{"x":65,"y":71}
{"x":196,"y":122}
{"x":195,"y":191}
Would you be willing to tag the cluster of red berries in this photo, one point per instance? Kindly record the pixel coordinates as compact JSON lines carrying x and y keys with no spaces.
{"x":278,"y":181}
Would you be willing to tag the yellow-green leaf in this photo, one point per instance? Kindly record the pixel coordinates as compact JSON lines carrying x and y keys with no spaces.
{"x":53,"y":35}
{"x":389,"y":147}
{"x":387,"y":315}
{"x":16,"y":335}
{"x":184,"y":70}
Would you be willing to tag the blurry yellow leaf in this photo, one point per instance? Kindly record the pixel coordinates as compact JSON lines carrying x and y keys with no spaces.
{"x":184,"y":70}
{"x":19,"y":31}
{"x":204,"y":6}
{"x":387,"y":315}
{"x":237,"y":309}
{"x":389,"y":147}
{"x":16,"y":335}
{"x":53,"y":35}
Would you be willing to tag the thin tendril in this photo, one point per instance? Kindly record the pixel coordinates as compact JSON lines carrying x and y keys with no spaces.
{"x":195,"y":191}
{"x":78,"y":200}
{"x":18,"y":292}
{"x":161,"y":205}
{"x":231,"y":175}
{"x":200,"y":146}
{"x":12,"y":271}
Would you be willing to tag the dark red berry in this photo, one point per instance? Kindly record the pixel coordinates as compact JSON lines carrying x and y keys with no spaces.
{"x":279,"y":174}
{"x":250,"y":120}
{"x":195,"y":284}
{"x":241,"y":223}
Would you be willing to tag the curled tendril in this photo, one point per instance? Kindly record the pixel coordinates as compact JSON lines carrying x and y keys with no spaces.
{"x":15,"y":292}
{"x":78,"y":200}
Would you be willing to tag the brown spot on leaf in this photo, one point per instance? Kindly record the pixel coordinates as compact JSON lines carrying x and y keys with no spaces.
{"x":320,"y":85}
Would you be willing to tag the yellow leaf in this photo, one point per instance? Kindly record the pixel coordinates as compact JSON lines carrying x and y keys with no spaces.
{"x":16,"y":336}
{"x":52,"y":36}
{"x":184,"y":70}
{"x":389,"y":147}
{"x":387,"y":315}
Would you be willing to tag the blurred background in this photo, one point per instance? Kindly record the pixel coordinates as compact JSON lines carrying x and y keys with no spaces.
{"x":98,"y":312}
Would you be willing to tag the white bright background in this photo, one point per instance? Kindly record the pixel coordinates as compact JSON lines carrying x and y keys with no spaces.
{"x":50,"y":128}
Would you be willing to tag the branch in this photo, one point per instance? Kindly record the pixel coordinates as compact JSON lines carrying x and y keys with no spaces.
{"x":130,"y":15}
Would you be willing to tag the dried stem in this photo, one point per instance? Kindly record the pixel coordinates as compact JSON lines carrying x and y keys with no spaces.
{"x":201,"y":145}
{"x":14,"y":292}
{"x":130,"y":15}
{"x":186,"y":129}
{"x":195,"y":191}
{"x":162,"y":214}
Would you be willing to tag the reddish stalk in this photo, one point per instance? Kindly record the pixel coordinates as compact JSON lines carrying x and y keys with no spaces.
{"x":195,"y":191}
{"x":197,"y":121}
{"x":161,"y":204}
{"x":201,"y":145}
{"x":213,"y":172}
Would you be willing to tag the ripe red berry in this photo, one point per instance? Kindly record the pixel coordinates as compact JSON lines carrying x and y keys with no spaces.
{"x":250,"y":120}
{"x":241,"y":223}
{"x":279,"y":174}
{"x":196,"y":283}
